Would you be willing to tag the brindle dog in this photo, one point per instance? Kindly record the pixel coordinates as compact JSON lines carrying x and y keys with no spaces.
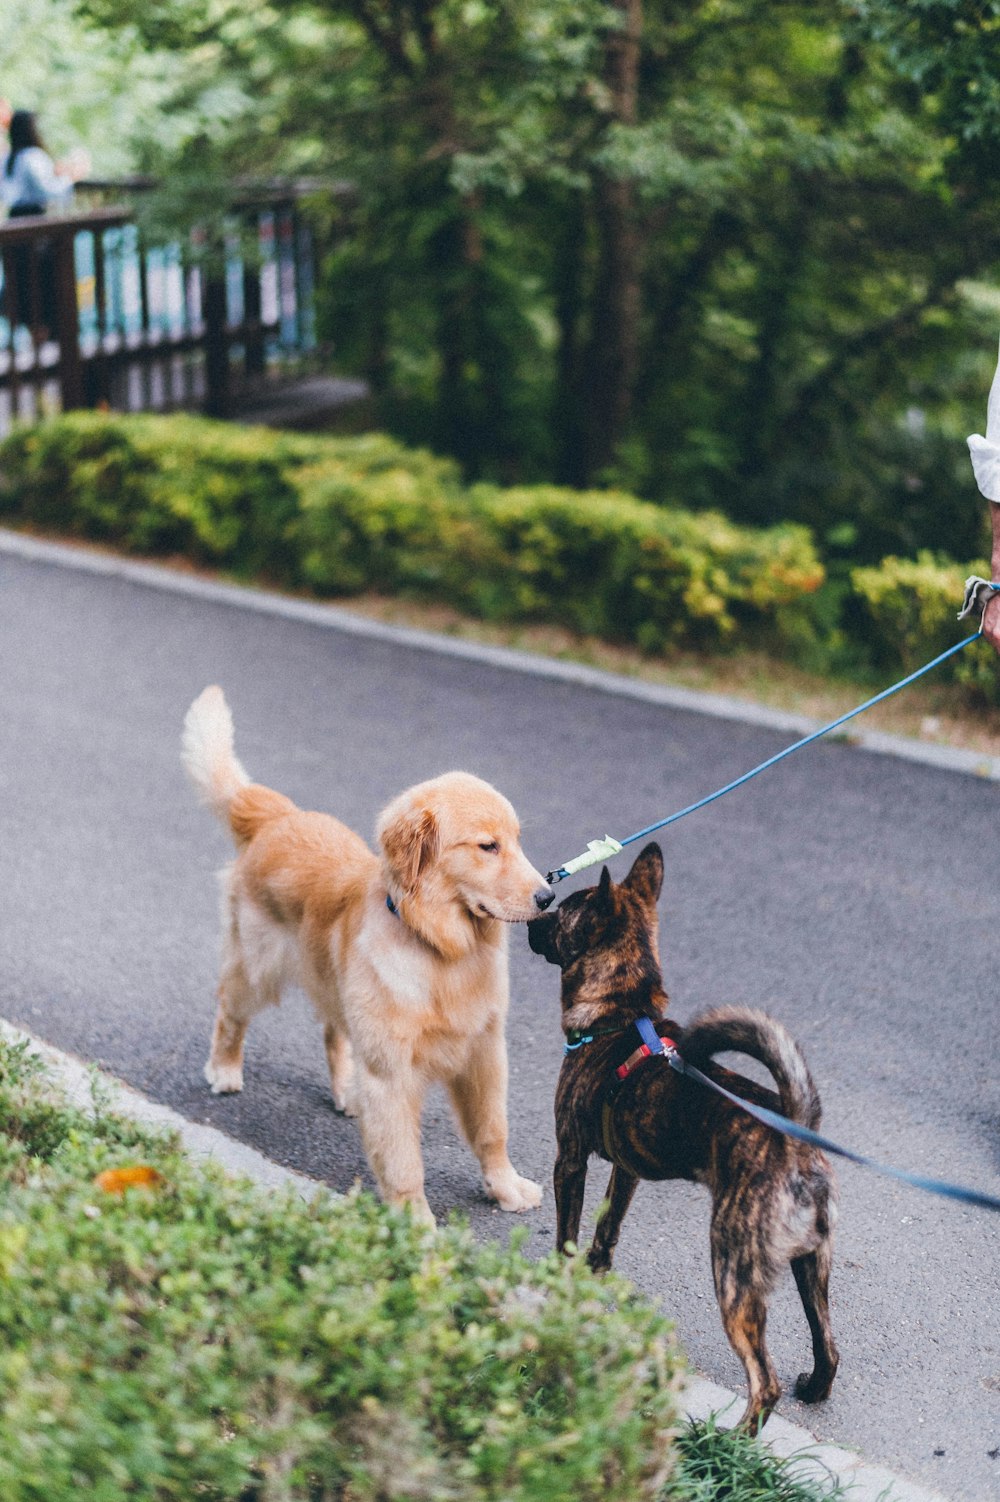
{"x":773,"y":1199}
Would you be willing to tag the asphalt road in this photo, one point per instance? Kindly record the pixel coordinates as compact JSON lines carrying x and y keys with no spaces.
{"x":855,"y":896}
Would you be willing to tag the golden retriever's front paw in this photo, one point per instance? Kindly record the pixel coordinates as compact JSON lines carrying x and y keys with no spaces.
{"x":419,"y":1210}
{"x":513,"y":1193}
{"x":225,"y":1079}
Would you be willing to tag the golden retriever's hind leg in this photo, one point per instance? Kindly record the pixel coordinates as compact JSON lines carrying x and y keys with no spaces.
{"x":238,"y":1004}
{"x":389,"y":1111}
{"x":340,"y":1061}
{"x":224,"y":1066}
{"x":480,"y":1100}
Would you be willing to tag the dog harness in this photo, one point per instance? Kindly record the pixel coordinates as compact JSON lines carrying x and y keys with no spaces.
{"x":653,"y":1043}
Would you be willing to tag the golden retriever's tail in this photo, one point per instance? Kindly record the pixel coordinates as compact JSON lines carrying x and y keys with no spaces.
{"x":210,"y":761}
{"x":741,"y":1030}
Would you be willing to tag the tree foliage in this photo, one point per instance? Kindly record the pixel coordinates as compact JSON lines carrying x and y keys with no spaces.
{"x":722,"y":254}
{"x":102,"y":90}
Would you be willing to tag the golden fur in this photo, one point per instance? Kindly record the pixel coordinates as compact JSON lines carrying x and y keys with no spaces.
{"x":406,"y":999}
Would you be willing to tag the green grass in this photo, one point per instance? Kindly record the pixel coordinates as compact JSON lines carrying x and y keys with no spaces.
{"x":204,"y":1341}
{"x":716,"y":1464}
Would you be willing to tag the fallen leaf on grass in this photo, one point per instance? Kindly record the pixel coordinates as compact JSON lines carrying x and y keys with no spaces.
{"x":117,"y":1180}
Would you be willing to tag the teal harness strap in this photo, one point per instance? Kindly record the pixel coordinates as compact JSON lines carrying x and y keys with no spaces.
{"x":599,"y":850}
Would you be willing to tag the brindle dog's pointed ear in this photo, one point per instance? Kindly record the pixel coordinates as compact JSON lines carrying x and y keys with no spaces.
{"x":604,"y":887}
{"x":646,"y":876}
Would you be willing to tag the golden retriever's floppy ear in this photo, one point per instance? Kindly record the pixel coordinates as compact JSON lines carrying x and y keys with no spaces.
{"x":646,"y":876}
{"x":409,"y":839}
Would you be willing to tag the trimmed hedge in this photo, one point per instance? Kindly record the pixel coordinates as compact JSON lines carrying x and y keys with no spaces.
{"x":219,"y":494}
{"x":908,"y":609}
{"x":341,"y":515}
{"x":205,"y":1339}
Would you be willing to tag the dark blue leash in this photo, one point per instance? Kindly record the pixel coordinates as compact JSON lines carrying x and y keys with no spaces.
{"x":779,"y":1123}
{"x":599,"y":850}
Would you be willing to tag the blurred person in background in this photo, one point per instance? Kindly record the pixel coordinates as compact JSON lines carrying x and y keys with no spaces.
{"x":29,"y":182}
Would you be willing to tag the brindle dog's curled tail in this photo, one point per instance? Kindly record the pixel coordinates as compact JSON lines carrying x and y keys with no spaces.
{"x":760,"y":1037}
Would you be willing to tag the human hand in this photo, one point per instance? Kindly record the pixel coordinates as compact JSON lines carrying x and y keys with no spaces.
{"x":991,"y":622}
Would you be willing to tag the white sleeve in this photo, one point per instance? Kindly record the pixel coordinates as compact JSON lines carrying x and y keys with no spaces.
{"x":45,"y":178}
{"x":985,"y":452}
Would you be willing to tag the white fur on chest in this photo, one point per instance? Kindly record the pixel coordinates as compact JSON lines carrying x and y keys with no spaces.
{"x":404,"y":1001}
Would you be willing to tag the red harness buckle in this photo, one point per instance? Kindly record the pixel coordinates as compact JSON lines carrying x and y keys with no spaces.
{"x":642,"y":1052}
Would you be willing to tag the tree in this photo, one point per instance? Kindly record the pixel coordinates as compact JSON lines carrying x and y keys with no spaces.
{"x":89,"y":88}
{"x":722,"y":254}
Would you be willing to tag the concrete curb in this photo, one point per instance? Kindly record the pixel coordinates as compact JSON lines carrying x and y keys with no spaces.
{"x":700,"y":1398}
{"x":332,"y":617}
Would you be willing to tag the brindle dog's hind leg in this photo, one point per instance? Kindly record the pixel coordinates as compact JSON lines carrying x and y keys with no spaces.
{"x":621,"y":1187}
{"x":812,"y":1277}
{"x":742,"y":1288}
{"x":745,"y":1320}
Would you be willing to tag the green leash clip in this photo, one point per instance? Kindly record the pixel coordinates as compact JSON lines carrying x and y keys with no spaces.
{"x":597,"y":850}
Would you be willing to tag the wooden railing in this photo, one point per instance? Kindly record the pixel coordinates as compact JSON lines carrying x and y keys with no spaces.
{"x":91,"y":314}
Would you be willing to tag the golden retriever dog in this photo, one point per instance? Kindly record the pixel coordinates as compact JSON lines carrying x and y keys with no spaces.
{"x":403,"y":954}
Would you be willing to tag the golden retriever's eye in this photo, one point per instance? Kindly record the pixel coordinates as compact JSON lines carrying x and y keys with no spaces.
{"x":491,"y":846}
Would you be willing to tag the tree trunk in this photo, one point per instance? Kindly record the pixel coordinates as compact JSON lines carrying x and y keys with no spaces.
{"x":568,"y":422}
{"x":613,"y":352}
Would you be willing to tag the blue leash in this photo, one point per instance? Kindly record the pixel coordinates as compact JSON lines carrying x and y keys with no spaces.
{"x":782,"y":1124}
{"x":599,"y":850}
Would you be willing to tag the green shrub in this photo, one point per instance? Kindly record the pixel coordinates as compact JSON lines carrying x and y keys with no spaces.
{"x":597,"y":562}
{"x":605,"y":563}
{"x":908,"y":611}
{"x":217,"y":494}
{"x":340,"y":515}
{"x":207,"y":1340}
{"x":391,"y":528}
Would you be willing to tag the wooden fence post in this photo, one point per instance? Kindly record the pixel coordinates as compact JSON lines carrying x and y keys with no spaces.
{"x":254,"y":341}
{"x":216,"y":347}
{"x":71,"y":393}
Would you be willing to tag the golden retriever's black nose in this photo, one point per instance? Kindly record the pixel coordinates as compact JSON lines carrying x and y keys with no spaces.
{"x":544,"y":897}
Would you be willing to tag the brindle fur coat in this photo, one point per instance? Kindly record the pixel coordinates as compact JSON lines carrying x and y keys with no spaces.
{"x":773,"y":1199}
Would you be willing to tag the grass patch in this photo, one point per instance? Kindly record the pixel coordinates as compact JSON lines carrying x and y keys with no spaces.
{"x":200,"y":1339}
{"x":715,"y":1464}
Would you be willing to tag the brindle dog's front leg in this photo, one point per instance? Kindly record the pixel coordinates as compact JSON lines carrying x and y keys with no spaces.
{"x":621,"y":1187}
{"x":569,"y":1181}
